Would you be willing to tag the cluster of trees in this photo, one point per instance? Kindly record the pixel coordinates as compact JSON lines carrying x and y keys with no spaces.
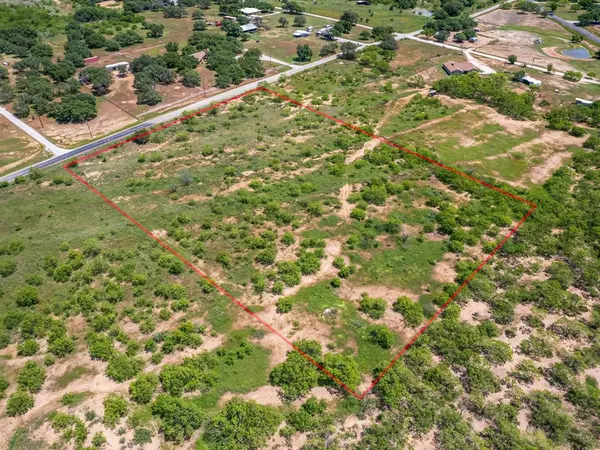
{"x":566,"y":117}
{"x":85,"y":30}
{"x":591,"y":16}
{"x":150,"y":71}
{"x":297,"y":375}
{"x":452,"y":16}
{"x":492,"y":90}
{"x":222,"y":51}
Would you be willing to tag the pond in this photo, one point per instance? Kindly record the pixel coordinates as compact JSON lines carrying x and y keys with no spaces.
{"x":577,"y":53}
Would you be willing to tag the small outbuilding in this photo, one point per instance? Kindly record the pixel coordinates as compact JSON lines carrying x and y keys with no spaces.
{"x":325,"y":30}
{"x":249,"y":28}
{"x":250,"y":11}
{"x":530,"y":81}
{"x":91,"y":60}
{"x":582,"y":101}
{"x":363,"y":2}
{"x":117,"y":65}
{"x":301,"y":33}
{"x":458,"y":68}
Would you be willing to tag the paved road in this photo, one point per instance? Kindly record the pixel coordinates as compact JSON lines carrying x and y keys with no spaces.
{"x":166,"y":117}
{"x":55,"y":149}
{"x":576,"y":28}
{"x":62,"y":155}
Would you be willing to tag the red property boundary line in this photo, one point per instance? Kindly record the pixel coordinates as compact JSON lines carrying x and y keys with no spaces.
{"x":422,"y":330}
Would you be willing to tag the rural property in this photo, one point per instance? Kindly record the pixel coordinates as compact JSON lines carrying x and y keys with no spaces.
{"x":299,"y":225}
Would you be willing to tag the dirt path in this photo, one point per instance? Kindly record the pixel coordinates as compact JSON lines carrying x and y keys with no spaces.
{"x":370,"y":145}
{"x":540,"y":174}
{"x":12,"y":165}
{"x":432,"y":122}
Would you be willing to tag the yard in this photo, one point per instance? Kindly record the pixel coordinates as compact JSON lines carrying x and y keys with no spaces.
{"x":277,"y":42}
{"x":370,"y":15}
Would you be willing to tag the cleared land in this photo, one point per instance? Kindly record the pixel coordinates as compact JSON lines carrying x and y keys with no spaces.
{"x":511,"y":32}
{"x":17,"y":150}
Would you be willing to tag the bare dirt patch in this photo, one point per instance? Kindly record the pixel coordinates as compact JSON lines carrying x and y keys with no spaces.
{"x":444,"y":271}
{"x":540,"y":174}
{"x":264,"y":395}
{"x":16,"y":148}
{"x":501,"y":17}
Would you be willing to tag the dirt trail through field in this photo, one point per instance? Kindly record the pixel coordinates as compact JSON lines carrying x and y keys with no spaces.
{"x":435,"y":121}
{"x":390,"y":111}
{"x":12,"y":165}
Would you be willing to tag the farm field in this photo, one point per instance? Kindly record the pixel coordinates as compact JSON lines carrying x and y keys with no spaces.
{"x":17,"y":150}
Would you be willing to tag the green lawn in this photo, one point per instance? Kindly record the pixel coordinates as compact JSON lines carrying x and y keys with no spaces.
{"x":564,"y":12}
{"x":371,"y":15}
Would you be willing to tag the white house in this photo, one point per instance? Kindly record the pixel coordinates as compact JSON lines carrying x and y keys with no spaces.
{"x":250,"y":11}
{"x":301,"y":33}
{"x":249,"y":28}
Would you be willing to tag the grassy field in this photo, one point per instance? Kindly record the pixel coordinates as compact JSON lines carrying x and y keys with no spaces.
{"x":370,"y":15}
{"x":565,"y":12}
{"x":278,"y":42}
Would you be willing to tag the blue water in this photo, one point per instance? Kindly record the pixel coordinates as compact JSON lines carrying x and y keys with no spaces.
{"x":577,"y":53}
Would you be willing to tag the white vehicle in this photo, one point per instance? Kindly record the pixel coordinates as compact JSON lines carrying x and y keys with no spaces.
{"x":301,"y":33}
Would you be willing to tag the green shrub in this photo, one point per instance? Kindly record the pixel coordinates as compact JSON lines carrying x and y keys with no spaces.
{"x":19,"y":403}
{"x":381,"y":335}
{"x":143,"y":387}
{"x":411,"y":311}
{"x":373,"y":307}
{"x":115,"y":408}
{"x":242,"y":425}
{"x":28,"y":348}
{"x":27,"y":296}
{"x":7,"y":267}
{"x":122,"y":368}
{"x":284,"y":305}
{"x":32,"y":377}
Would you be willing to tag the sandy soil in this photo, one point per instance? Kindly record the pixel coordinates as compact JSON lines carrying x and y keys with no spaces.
{"x":444,"y":271}
{"x":501,"y":17}
{"x":346,"y":209}
{"x":520,"y":43}
{"x":16,"y":148}
{"x":354,"y":292}
{"x":543,"y":172}
{"x":474,"y":312}
{"x":264,"y":395}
